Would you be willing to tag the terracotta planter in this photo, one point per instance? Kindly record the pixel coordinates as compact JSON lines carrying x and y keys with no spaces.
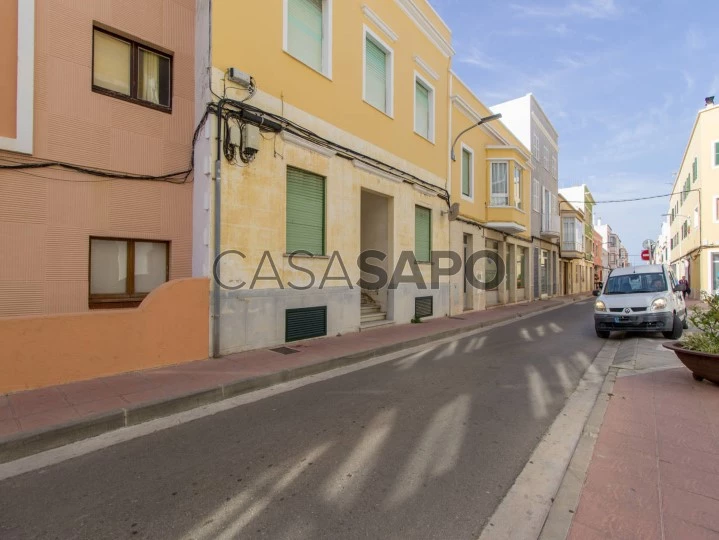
{"x":702,"y":365}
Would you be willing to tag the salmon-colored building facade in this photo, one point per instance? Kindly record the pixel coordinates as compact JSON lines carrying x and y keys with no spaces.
{"x":103,"y":92}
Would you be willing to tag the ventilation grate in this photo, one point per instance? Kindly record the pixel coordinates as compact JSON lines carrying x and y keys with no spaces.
{"x":423,"y":306}
{"x":305,"y":323}
{"x":285,"y":350}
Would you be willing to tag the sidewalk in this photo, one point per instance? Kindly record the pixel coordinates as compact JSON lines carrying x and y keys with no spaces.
{"x":654,"y":472}
{"x":37,"y":420}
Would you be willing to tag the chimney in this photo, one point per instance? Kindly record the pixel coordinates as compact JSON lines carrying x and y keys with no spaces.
{"x":709,"y":101}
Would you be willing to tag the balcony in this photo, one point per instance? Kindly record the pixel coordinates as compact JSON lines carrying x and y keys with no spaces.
{"x":507,"y":219}
{"x":572,"y":245}
{"x":572,"y":250}
{"x":550,"y":226}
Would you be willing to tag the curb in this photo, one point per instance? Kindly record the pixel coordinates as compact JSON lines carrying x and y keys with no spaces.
{"x":15,"y":447}
{"x":566,"y":501}
{"x":524,"y":511}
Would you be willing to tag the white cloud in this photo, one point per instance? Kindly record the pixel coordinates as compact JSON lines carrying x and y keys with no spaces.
{"x":644,"y":133}
{"x":689,"y":80}
{"x":714,"y":86}
{"x":591,"y":9}
{"x":479,"y":59}
{"x":559,"y":29}
{"x":571,"y":62}
{"x":695,"y":39}
{"x":622,"y":217}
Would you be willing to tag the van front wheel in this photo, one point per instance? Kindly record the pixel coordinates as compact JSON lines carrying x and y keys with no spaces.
{"x":677,"y":329}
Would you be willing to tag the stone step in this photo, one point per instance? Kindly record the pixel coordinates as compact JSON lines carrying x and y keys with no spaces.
{"x":375,"y":324}
{"x":370,"y":308}
{"x":373,"y":317}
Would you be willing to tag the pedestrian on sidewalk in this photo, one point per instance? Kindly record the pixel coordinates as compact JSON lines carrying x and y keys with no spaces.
{"x":687,"y":291}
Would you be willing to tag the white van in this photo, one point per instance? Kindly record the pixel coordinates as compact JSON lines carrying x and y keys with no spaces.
{"x":641,"y":299}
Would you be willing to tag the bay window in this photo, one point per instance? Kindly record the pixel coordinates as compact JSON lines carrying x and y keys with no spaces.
{"x":500,"y":184}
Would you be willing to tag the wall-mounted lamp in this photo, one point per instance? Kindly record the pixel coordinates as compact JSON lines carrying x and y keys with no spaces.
{"x":484,"y":120}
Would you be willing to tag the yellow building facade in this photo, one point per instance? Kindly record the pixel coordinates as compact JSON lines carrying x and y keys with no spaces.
{"x":576,"y":240}
{"x":694,"y":207}
{"x":490,"y":180}
{"x":322,"y":202}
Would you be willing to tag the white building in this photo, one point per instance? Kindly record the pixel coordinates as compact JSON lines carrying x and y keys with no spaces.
{"x":661,"y":250}
{"x":526,"y":119}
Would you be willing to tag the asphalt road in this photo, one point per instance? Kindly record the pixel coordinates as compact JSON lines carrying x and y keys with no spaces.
{"x":421,"y":447}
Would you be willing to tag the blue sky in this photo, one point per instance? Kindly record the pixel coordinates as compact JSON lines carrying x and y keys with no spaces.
{"x":621,"y":81}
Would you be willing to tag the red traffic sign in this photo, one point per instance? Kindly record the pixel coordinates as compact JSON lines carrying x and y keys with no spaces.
{"x":645,"y":255}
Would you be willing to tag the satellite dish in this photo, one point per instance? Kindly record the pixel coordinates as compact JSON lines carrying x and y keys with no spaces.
{"x":453,"y":211}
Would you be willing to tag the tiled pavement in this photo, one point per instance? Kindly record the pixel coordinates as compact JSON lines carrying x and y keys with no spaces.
{"x":40,"y":409}
{"x":654,"y":473}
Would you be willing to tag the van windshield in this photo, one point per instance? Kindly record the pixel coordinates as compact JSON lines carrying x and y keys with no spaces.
{"x":636,"y":283}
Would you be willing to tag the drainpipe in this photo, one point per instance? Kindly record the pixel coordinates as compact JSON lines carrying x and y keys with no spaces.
{"x":448,"y":183}
{"x":217,"y":234}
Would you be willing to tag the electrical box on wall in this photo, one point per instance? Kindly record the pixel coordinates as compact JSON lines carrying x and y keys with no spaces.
{"x":239,"y":77}
{"x":250,"y":139}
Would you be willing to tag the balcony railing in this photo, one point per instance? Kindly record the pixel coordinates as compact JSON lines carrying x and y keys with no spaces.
{"x":550,"y":225}
{"x":571,"y":245}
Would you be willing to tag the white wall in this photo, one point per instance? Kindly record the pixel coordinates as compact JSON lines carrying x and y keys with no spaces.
{"x":516,"y":115}
{"x":201,"y":196}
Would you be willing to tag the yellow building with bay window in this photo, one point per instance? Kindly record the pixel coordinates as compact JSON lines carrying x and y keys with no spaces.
{"x":490,"y":179}
{"x":327,"y":186}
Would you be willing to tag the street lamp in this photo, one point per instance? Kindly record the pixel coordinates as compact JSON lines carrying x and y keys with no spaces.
{"x":484,"y":120}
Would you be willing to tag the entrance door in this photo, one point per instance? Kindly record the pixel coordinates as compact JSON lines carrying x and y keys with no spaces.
{"x":376,"y":235}
{"x":544,"y":272}
{"x":490,"y":274}
{"x":468,"y":288}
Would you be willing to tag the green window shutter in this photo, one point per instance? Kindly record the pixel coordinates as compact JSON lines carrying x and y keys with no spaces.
{"x":421,"y":113}
{"x":716,"y":154}
{"x":304,"y":31}
{"x":422,"y":234}
{"x":376,"y":75}
{"x":695,"y":169}
{"x":305,"y":212}
{"x":466,"y":173}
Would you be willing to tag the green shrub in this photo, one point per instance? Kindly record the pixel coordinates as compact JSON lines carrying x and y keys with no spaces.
{"x":707,"y":322}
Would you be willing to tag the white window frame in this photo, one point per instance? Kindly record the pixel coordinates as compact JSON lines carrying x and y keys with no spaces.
{"x":390,"y":70}
{"x":710,"y":283}
{"x":536,"y":196}
{"x":469,"y":198}
{"x":24,"y":104}
{"x":326,"y":37}
{"x":714,"y":209}
{"x":424,"y":82}
{"x":517,"y":192}
{"x":545,"y":156}
{"x":502,"y":194}
{"x":536,"y":151}
{"x":555,"y":171}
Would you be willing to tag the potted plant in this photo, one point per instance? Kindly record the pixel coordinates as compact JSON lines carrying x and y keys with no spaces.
{"x":699,"y":351}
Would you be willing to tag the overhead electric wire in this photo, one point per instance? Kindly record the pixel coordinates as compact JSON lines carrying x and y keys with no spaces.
{"x":296,"y":129}
{"x":178,"y":177}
